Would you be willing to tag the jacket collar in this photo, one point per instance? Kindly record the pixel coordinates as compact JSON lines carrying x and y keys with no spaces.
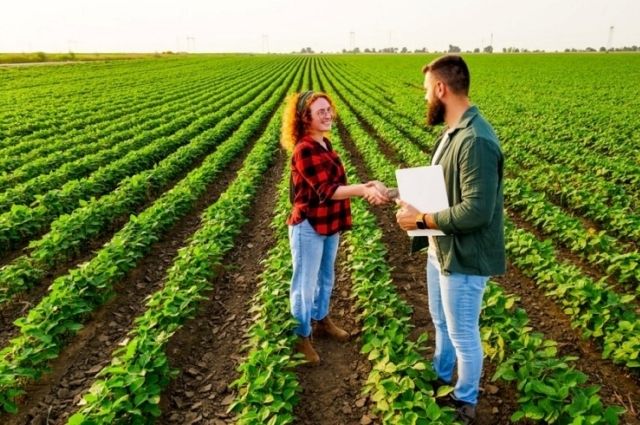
{"x":466,"y":118}
{"x":464,"y":122}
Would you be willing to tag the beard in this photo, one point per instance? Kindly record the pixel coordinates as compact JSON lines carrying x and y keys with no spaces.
{"x":435,"y":112}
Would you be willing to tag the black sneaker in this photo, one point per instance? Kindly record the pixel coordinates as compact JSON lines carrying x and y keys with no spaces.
{"x":466,"y":413}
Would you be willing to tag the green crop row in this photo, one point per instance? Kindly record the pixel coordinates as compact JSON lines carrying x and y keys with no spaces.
{"x":61,"y":106}
{"x":598,"y":200}
{"x":59,"y":150}
{"x":129,"y":388}
{"x":22,"y":222}
{"x":28,"y":148}
{"x":70,"y":232}
{"x":31,"y":117}
{"x":267,"y":386}
{"x":594,"y":246}
{"x":406,"y":128}
{"x":596,"y":309}
{"x":76,"y":153}
{"x":550,"y":388}
{"x":25,"y":193}
{"x":616,"y":176}
{"x":60,"y":314}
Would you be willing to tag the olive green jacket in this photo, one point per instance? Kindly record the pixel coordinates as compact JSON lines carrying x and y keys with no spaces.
{"x":474,"y":224}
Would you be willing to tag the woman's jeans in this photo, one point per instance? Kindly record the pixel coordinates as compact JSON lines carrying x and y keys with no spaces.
{"x":454,"y":304}
{"x":314,"y":257}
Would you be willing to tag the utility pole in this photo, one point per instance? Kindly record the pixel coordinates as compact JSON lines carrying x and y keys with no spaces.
{"x":352,"y":40}
{"x":191,"y":43}
{"x":610,"y":41}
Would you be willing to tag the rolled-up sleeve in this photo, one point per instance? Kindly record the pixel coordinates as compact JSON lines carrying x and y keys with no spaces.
{"x":315,"y":170}
{"x":479,"y":173}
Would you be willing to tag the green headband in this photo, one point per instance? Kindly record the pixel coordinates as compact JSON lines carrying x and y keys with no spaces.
{"x":302,"y":99}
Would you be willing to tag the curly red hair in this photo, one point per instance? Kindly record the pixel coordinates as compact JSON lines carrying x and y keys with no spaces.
{"x":294,"y":124}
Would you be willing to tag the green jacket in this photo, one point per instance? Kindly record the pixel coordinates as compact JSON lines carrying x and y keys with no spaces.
{"x":474,"y":223}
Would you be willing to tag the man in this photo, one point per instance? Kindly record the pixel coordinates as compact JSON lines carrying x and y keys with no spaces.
{"x":460,"y":263}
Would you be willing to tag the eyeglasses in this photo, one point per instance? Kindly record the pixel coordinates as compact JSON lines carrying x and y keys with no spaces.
{"x":328,"y":112}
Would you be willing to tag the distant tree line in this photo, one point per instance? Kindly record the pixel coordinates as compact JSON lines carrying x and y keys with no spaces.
{"x":452,"y":49}
{"x":487,"y":49}
{"x":604,"y":49}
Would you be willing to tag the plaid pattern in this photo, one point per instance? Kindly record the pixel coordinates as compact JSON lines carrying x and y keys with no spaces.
{"x":316,"y":174}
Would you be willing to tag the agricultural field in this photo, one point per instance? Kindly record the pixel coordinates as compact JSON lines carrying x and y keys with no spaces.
{"x":145,"y":265}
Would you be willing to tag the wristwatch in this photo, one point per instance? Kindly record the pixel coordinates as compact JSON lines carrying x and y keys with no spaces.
{"x":420,"y":221}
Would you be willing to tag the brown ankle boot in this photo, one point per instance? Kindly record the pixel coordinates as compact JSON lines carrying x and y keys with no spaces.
{"x":304,"y":346}
{"x":328,"y":328}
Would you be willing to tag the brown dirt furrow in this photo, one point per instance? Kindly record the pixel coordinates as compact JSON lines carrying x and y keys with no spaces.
{"x":208,"y":348}
{"x":331,"y":392}
{"x":618,"y":386}
{"x":22,"y":302}
{"x":55,"y":396}
{"x":497,"y":400}
{"x":13,"y":253}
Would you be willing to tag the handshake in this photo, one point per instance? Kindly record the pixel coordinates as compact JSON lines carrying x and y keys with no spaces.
{"x":376,"y":193}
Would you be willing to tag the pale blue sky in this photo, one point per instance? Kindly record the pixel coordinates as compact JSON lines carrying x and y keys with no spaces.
{"x":324,"y":25}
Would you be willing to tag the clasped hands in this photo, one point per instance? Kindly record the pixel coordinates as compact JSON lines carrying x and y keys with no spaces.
{"x":376,"y":193}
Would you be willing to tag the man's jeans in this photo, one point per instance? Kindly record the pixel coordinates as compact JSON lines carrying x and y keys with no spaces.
{"x":314,"y":258}
{"x":454,"y":303}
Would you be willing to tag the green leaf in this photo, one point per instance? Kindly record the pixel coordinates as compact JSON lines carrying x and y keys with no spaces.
{"x":76,"y":419}
{"x":533,"y":412}
{"x":518,"y":415}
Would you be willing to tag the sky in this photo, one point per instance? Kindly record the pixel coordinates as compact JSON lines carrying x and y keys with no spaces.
{"x":283,"y":26}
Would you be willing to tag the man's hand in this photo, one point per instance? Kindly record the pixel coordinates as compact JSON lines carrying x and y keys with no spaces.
{"x":376,"y":193}
{"x":406,"y":215}
{"x":392,"y":193}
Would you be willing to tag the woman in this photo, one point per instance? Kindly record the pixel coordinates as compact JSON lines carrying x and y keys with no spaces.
{"x":321,"y":210}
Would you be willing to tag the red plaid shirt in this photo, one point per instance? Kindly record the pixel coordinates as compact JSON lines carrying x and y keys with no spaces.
{"x":316,"y":174}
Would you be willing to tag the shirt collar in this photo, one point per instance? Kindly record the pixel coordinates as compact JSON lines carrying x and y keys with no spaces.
{"x":308,"y":139}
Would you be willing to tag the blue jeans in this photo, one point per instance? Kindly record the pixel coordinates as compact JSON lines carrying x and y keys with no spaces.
{"x":454,"y":303}
{"x":314,"y":258}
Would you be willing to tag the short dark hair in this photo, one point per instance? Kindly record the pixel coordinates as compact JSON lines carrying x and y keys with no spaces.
{"x":453,"y":71}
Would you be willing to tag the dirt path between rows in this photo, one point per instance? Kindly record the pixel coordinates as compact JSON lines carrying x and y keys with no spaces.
{"x":331,"y":392}
{"x":208,"y":348}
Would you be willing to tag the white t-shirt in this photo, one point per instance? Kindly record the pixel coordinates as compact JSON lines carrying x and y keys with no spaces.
{"x":436,"y":157}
